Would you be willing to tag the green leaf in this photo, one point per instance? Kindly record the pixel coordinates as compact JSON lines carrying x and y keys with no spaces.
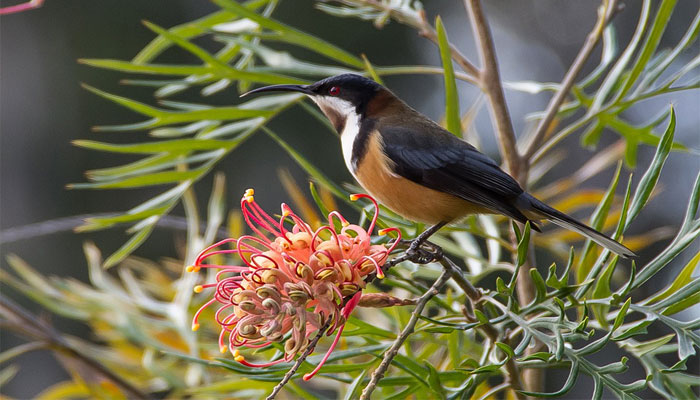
{"x":166,"y":117}
{"x":314,"y":172}
{"x":677,"y":367}
{"x":364,"y":328}
{"x":133,"y":105}
{"x":434,"y":380}
{"x":621,"y":314}
{"x":641,"y":348}
{"x":155,"y":163}
{"x":568,"y":384}
{"x":639,"y":329}
{"x":92,"y":224}
{"x":185,"y":70}
{"x":540,"y":355}
{"x":439,"y":329}
{"x":352,"y":390}
{"x":481,"y":317}
{"x":682,"y":279}
{"x":7,"y":373}
{"x":156,"y":178}
{"x":540,"y":287}
{"x":186,"y":45}
{"x":187,"y":30}
{"x":371,"y":71}
{"x":612,"y":80}
{"x":602,"y":290}
{"x":524,"y":244}
{"x":132,"y":244}
{"x":682,"y":305}
{"x":292,"y":35}
{"x":172,"y":146}
{"x":452,"y":114}
{"x":651,"y":176}
{"x":507,"y":350}
{"x":650,"y":44}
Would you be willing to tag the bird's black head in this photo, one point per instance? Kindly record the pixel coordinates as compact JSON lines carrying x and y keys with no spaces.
{"x":339,"y":97}
{"x":355,"y":89}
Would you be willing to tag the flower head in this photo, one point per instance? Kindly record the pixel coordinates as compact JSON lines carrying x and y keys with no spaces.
{"x":292,"y":281}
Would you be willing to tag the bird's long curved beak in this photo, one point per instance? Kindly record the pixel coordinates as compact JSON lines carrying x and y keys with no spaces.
{"x":281,"y":88}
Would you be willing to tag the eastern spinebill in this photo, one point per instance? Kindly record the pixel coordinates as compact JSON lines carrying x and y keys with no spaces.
{"x":417,"y":168}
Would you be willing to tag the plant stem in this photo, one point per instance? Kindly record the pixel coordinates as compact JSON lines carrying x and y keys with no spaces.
{"x":309,"y":349}
{"x":419,"y":21}
{"x":405,"y":333}
{"x":490,"y":83}
{"x":456,"y":274}
{"x":606,"y":12}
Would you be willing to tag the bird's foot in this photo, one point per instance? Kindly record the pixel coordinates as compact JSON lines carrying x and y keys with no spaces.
{"x":423,"y":252}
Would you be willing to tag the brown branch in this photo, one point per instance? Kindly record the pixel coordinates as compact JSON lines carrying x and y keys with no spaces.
{"x":490,"y":83}
{"x":606,"y":12}
{"x":389,"y":355}
{"x":309,"y":349}
{"x":420,"y":22}
{"x":427,"y":31}
{"x":456,"y":274}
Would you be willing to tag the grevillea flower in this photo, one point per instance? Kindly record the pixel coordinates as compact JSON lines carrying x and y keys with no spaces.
{"x":292,"y":282}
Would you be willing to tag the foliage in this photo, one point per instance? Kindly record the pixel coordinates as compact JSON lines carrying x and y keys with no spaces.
{"x":467,"y":347}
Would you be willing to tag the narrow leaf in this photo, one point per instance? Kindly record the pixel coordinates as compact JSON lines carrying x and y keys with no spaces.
{"x":452,"y":114}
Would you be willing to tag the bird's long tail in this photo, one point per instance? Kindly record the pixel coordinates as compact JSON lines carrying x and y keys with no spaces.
{"x":567,"y":222}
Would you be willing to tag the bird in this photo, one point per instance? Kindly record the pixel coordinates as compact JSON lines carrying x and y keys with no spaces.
{"x":418,"y":169}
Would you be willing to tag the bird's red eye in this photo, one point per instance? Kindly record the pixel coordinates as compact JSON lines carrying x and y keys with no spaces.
{"x":334,"y":91}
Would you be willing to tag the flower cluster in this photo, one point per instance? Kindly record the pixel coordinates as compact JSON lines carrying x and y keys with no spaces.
{"x":292,"y":282}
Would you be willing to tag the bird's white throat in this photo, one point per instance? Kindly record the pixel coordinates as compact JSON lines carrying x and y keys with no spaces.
{"x":351,"y":127}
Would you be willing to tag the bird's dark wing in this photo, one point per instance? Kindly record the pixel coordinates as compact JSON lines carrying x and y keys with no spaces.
{"x":441,"y":161}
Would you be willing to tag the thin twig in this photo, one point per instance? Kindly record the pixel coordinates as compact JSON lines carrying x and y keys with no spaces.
{"x":419,"y":21}
{"x":606,"y":12}
{"x":26,"y":323}
{"x":405,"y":333}
{"x":490,"y":81}
{"x":456,"y":274}
{"x":427,"y":31}
{"x":309,"y":349}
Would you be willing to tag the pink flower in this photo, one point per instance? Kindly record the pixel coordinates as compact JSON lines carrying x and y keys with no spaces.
{"x":292,"y":280}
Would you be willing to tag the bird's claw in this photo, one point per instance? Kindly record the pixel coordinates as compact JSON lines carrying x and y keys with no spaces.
{"x":423,"y":253}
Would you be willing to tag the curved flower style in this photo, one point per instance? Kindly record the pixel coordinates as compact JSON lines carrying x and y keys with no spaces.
{"x":293,"y":281}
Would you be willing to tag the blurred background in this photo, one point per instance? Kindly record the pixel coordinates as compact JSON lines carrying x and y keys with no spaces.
{"x":43,"y":108}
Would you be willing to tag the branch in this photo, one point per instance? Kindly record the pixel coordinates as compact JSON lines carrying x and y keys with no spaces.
{"x":419,"y":21}
{"x":456,"y":274}
{"x":490,"y":83}
{"x":427,"y":31}
{"x":309,"y":349}
{"x":407,"y":331}
{"x":606,"y":12}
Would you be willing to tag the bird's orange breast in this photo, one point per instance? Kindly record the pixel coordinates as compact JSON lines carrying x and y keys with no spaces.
{"x":408,"y":199}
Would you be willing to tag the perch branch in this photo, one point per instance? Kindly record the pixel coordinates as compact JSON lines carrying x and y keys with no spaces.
{"x":310,"y":348}
{"x":490,"y":83}
{"x":405,"y":333}
{"x":606,"y":12}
